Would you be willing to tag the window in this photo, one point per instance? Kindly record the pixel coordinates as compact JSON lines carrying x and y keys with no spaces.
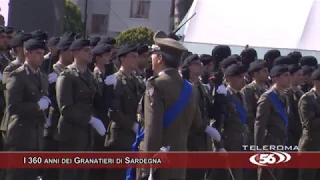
{"x":140,"y":9}
{"x":99,"y":23}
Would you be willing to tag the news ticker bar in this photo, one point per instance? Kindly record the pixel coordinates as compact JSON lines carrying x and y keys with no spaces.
{"x":159,"y":160}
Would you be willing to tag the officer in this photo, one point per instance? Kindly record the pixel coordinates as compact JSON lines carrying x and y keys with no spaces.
{"x":159,"y":98}
{"x":308,"y":107}
{"x":307,"y":82}
{"x":51,"y":127}
{"x":272,"y":117}
{"x":101,"y":57}
{"x":75,"y":94}
{"x":128,"y":91}
{"x":27,"y":91}
{"x":143,"y":56}
{"x":293,"y":94}
{"x":258,"y":70}
{"x":197,"y":140}
{"x":52,"y":56}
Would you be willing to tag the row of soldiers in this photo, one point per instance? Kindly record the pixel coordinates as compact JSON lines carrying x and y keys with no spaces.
{"x":85,"y":96}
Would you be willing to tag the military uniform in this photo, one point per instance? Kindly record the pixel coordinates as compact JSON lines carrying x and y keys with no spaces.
{"x":308,"y":107}
{"x":25,"y":87}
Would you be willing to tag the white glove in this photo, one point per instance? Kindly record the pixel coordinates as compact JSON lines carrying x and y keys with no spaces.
{"x":44,"y":103}
{"x":222,"y":90}
{"x":223,"y":150}
{"x":111,"y":80}
{"x":213,"y":132}
{"x":165,"y":148}
{"x":48,"y":123}
{"x":52,"y":77}
{"x":0,"y":76}
{"x":135,"y":127}
{"x":98,"y":125}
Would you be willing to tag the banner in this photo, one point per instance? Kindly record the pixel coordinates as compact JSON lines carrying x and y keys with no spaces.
{"x":159,"y":160}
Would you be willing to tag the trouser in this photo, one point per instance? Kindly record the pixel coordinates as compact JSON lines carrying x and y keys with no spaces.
{"x":20,"y":174}
{"x":270,"y":174}
{"x":74,"y":174}
{"x":98,"y":145}
{"x":50,"y":144}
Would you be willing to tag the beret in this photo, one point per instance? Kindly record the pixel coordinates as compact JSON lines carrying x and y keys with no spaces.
{"x":185,"y":55}
{"x":257,"y":65}
{"x":235,"y":56}
{"x":107,"y":40}
{"x":40,"y":35}
{"x":227,"y":62}
{"x":295,"y":56}
{"x":69,"y":34}
{"x":167,"y":46}
{"x":79,"y":44}
{"x":282,"y":60}
{"x":278,"y":70}
{"x":205,"y":59}
{"x":9,"y":30}
{"x":316,"y":74}
{"x":249,"y":53}
{"x":272,"y":55}
{"x":307,"y":69}
{"x":189,"y":60}
{"x":235,"y":69}
{"x":94,"y":41}
{"x":33,"y":44}
{"x":309,"y":61}
{"x":64,"y":43}
{"x":19,"y":38}
{"x":142,"y":48}
{"x":123,"y":50}
{"x":220,"y":52}
{"x":293,"y":68}
{"x":101,"y":49}
{"x":53,"y":41}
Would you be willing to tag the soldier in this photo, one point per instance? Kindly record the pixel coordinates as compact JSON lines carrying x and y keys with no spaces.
{"x":143,"y":56}
{"x":9,"y":31}
{"x":4,"y":60}
{"x":128,"y":91}
{"x":197,"y":140}
{"x":40,"y":35}
{"x":308,"y":107}
{"x":52,"y":57}
{"x":75,"y":92}
{"x":272,"y":117}
{"x":294,"y":126}
{"x":248,"y":55}
{"x":307,"y":82}
{"x":207,"y":77}
{"x":51,"y":127}
{"x":295,"y":56}
{"x":93,"y":42}
{"x":109,"y":40}
{"x":27,"y":91}
{"x":270,"y":56}
{"x":101,"y":57}
{"x":159,"y":99}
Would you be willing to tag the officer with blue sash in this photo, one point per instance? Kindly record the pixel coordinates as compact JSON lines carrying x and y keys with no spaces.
{"x":272,"y":117}
{"x":309,"y":111}
{"x":171,"y":107}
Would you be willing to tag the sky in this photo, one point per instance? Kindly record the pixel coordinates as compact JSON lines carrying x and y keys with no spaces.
{"x":4,"y":5}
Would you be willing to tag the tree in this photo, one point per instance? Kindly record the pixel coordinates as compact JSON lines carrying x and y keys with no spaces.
{"x":136,"y":35}
{"x":72,"y":19}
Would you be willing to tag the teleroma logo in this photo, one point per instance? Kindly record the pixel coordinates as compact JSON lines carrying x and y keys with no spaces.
{"x":270,"y":158}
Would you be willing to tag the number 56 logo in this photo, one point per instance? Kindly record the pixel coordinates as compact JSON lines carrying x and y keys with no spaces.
{"x":270,"y":158}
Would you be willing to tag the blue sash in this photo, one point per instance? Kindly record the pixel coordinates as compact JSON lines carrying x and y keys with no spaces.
{"x":276,"y":102}
{"x":169,"y":116}
{"x":240,"y":109}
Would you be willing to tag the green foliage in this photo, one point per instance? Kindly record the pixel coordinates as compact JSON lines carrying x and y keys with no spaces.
{"x":72,"y":19}
{"x":136,"y":35}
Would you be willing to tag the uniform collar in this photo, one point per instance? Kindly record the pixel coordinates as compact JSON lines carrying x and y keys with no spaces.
{"x":32,"y":70}
{"x":233,"y":91}
{"x":165,"y":70}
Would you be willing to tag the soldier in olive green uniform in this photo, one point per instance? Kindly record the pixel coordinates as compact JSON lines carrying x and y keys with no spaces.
{"x":207,"y":77}
{"x":75,"y":90}
{"x":294,"y":127}
{"x":52,"y":57}
{"x":306,"y":84}
{"x":143,"y":51}
{"x":17,"y":46}
{"x":128,"y":90}
{"x":101,"y":57}
{"x":10,"y":33}
{"x":272,"y":117}
{"x":27,"y":91}
{"x":308,"y":107}
{"x":258,"y":70}
{"x":197,"y":140}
